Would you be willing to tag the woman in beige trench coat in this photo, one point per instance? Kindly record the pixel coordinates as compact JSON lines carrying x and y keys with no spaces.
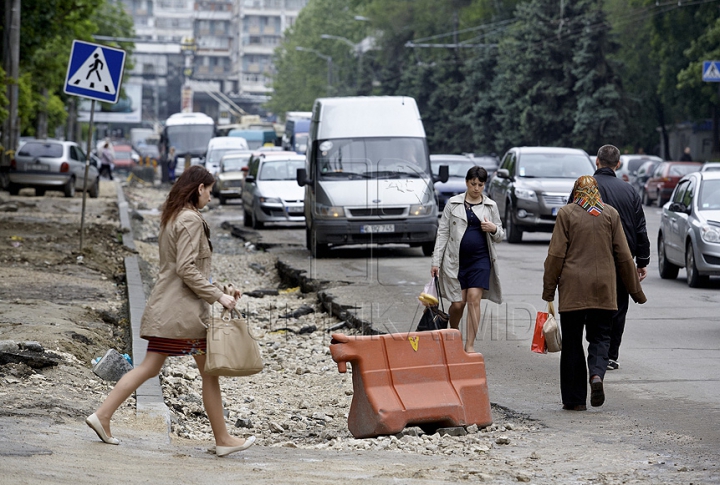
{"x":464,"y":258}
{"x":179,"y":308}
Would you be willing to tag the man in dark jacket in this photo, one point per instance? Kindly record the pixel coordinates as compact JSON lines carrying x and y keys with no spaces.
{"x":626,"y":201}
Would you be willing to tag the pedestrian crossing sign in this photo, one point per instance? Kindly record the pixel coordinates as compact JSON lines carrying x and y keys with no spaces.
{"x":711,"y":71}
{"x":95,"y":71}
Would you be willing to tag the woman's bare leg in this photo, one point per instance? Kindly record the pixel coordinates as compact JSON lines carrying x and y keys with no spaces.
{"x":473,"y":297}
{"x":212,"y":401}
{"x":456,"y":312}
{"x":150,"y":367}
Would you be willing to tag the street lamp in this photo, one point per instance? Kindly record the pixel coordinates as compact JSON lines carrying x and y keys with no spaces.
{"x":357,"y":49}
{"x":328,"y":59}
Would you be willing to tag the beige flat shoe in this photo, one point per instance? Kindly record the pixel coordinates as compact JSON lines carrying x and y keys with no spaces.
{"x":94,"y":422}
{"x":226,"y":450}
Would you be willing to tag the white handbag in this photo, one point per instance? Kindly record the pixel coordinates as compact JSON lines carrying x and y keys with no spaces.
{"x":551,"y":331}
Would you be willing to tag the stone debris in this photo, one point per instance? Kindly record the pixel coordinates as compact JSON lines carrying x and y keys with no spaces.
{"x":113,"y":366}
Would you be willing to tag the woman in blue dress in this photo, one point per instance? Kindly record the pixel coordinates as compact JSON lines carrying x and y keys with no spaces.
{"x":464,"y":258}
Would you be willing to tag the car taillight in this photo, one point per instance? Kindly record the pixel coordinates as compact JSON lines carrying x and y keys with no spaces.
{"x":65,"y":167}
{"x":665,"y":179}
{"x":625,"y":177}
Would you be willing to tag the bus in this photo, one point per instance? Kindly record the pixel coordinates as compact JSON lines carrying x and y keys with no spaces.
{"x":190,"y":134}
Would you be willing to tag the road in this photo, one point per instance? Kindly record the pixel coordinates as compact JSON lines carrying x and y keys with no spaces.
{"x":665,"y":398}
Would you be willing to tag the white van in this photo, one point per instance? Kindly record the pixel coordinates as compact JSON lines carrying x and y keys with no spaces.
{"x":367,"y":175}
{"x":221,"y":146}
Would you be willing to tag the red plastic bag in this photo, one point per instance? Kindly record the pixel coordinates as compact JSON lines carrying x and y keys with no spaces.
{"x":538,"y":341}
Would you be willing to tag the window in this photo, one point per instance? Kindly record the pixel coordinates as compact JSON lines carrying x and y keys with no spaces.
{"x":554,"y":165}
{"x":680,"y":192}
{"x":689,"y":195}
{"x":709,"y":195}
{"x":38,"y":149}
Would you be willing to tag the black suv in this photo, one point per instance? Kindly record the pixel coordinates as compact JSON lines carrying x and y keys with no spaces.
{"x":532,"y":184}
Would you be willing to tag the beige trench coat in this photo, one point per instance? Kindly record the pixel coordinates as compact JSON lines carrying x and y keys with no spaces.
{"x":447,"y":246}
{"x":179,"y":305}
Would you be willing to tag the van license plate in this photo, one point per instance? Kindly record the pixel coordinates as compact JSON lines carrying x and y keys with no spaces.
{"x":377,"y":228}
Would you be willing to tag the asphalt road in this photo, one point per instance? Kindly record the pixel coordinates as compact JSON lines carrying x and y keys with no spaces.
{"x":664,"y":398}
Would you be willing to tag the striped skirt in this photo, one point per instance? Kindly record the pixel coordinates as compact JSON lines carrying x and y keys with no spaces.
{"x":175,"y":347}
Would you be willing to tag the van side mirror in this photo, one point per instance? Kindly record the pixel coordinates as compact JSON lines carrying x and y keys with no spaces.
{"x":502,"y":173}
{"x":250,"y":178}
{"x":301,"y":177}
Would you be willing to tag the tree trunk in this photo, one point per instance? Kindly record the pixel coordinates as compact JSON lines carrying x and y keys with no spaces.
{"x":70,"y":125}
{"x":660,"y":112}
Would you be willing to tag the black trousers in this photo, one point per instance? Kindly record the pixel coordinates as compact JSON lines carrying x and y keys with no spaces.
{"x":106,"y":170}
{"x":618,"y":320}
{"x":573,"y":371}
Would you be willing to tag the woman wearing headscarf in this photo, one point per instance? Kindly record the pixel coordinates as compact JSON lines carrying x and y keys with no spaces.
{"x":587,"y":246}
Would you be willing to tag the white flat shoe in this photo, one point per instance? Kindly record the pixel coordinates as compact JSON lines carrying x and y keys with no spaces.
{"x":94,"y":422}
{"x":226,"y":450}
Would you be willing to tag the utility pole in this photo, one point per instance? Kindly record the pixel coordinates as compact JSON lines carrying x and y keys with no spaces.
{"x":12,"y":125}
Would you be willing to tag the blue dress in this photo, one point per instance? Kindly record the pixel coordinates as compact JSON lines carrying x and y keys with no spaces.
{"x":474,"y":254}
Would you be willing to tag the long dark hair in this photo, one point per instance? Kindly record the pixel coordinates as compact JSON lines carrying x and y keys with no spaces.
{"x":185,"y":192}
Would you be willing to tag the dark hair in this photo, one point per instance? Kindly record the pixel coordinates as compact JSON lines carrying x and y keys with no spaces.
{"x":476,"y":172}
{"x":609,"y":156}
{"x":185,"y":191}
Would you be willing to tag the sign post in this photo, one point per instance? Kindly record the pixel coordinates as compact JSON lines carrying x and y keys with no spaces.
{"x":95,"y":72}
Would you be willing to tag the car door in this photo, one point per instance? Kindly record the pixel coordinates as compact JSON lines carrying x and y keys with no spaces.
{"x":249,"y":184}
{"x":76,"y":159}
{"x":651,"y":186}
{"x":671,"y":222}
{"x":500,"y":186}
{"x":683,"y":218}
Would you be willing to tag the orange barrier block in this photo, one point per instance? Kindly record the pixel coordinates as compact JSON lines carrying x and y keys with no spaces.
{"x":421,"y":379}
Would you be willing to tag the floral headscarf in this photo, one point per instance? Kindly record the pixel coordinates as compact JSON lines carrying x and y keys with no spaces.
{"x":585,"y":194}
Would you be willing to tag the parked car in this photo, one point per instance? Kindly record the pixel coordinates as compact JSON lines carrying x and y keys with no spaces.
{"x":710,"y":167}
{"x":662,"y":182}
{"x":689,"y":234}
{"x":271,"y":192}
{"x":532,"y":184}
{"x":230,"y":176}
{"x":52,"y":165}
{"x":643,"y":174}
{"x":630,"y":164}
{"x":125,"y":157}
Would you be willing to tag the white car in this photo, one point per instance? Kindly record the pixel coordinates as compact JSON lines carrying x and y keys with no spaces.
{"x":220,"y":146}
{"x":271,"y":192}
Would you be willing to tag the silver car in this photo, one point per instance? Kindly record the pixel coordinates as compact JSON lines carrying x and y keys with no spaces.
{"x":689,"y":233}
{"x":271,"y":192}
{"x":52,"y":165}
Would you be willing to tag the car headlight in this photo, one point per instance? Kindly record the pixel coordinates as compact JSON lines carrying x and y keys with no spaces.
{"x":420,"y":210}
{"x":526,"y":194}
{"x":710,"y":234}
{"x":328,"y":211}
{"x":270,"y":200}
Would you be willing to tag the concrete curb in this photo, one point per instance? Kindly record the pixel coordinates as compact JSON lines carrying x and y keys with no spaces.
{"x":149,"y":396}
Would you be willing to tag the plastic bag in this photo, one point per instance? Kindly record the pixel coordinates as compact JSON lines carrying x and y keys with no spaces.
{"x":551,"y":331}
{"x":538,"y":341}
{"x":429,"y":295}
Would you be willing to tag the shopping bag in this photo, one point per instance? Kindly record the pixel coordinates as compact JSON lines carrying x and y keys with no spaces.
{"x":432,"y":319}
{"x":231,"y":350}
{"x":429,"y":295}
{"x":551,"y":331}
{"x":538,"y":341}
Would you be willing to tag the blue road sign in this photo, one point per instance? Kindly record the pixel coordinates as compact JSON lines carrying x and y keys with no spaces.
{"x":95,"y":71}
{"x":711,"y":71}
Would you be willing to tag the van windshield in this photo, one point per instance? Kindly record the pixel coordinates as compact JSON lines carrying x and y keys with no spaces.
{"x":371,"y":158}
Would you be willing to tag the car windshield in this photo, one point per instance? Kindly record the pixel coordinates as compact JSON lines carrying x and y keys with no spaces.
{"x":235,"y":164}
{"x":681,"y":169}
{"x":49,"y":150}
{"x":709,"y":195}
{"x":455,"y":168}
{"x":122,"y":155}
{"x":554,"y":165}
{"x":190,"y":138}
{"x":280,"y":169}
{"x":712,"y":167}
{"x":371,"y":158}
{"x":634,"y":164}
{"x":214,"y":156}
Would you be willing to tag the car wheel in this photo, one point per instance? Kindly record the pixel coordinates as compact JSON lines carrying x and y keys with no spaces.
{"x":428,"y":248}
{"x":694,"y":279}
{"x":94,"y":190}
{"x":247,"y":219}
{"x":318,"y":250}
{"x":13,"y":189}
{"x":39,"y":192}
{"x":255,"y":223}
{"x":69,"y":188}
{"x":668,"y":271}
{"x":514,"y":234}
{"x":645,"y":197}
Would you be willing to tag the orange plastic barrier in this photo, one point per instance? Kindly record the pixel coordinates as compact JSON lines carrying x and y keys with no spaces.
{"x":421,"y":379}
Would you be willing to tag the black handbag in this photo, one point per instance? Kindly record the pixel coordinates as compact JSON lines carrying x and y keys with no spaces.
{"x":434,"y":318}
